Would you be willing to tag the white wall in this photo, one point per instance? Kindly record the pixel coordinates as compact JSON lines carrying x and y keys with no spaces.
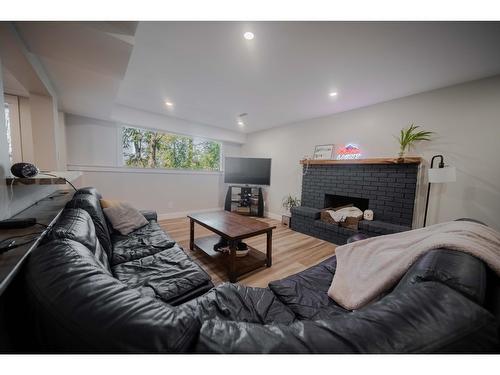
{"x":61,"y":141}
{"x":91,"y":142}
{"x":94,"y":147}
{"x":465,"y":117}
{"x":26,"y":130}
{"x":170,"y":194}
{"x":44,"y":131}
{"x":18,"y":198}
{"x":42,"y":128}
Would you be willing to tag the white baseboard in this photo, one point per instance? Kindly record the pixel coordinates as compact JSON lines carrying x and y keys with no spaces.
{"x":176,"y":215}
{"x":274,"y":216}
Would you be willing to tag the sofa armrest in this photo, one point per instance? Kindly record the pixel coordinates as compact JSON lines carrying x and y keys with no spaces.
{"x":149,"y":215}
{"x":426,"y":318}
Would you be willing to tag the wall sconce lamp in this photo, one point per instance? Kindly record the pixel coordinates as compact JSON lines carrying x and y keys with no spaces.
{"x":441,"y":174}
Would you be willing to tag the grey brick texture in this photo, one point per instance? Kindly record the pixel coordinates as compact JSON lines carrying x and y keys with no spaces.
{"x":389,"y":189}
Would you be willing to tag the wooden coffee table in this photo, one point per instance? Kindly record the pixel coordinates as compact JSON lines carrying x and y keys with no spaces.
{"x":232,"y":227}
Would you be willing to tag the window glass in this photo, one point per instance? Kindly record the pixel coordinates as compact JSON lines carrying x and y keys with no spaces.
{"x":144,"y":148}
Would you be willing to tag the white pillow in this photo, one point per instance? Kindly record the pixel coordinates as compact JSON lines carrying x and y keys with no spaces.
{"x":124,"y":218}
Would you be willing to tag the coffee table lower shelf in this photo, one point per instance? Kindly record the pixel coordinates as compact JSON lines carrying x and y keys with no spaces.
{"x":253,"y":260}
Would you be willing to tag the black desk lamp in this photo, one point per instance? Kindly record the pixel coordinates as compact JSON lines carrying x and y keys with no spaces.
{"x":441,"y":174}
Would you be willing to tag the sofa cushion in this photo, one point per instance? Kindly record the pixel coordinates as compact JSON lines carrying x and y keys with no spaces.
{"x":77,"y":307}
{"x":241,"y":303}
{"x":427,"y":318}
{"x":76,"y":224}
{"x":460,"y":271}
{"x":169,"y":274}
{"x":90,"y":203}
{"x":145,"y":241}
{"x":305,"y":293}
{"x":124,"y":218}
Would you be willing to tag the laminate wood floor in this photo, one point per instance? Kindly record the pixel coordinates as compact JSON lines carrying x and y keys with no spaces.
{"x":292,"y":252}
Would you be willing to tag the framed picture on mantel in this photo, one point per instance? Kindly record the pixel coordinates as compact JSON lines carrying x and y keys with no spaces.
{"x":324,"y":152}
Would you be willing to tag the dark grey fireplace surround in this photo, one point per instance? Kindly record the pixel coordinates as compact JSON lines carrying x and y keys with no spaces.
{"x":387,"y":189}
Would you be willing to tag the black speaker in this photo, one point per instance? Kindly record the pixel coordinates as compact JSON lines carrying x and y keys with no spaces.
{"x":24,"y":170}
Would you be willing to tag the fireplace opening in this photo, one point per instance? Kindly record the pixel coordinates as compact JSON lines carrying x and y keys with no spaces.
{"x":335,"y":201}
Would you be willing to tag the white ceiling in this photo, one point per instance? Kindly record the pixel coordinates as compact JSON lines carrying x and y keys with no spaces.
{"x":86,"y":61}
{"x":11,"y":84}
{"x":212,"y":74}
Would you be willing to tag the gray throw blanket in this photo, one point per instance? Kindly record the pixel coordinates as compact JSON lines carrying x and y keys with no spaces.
{"x":366,"y":269}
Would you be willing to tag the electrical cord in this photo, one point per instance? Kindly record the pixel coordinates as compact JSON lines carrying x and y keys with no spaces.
{"x":53,"y":175}
{"x":12,"y":244}
{"x":19,"y":236}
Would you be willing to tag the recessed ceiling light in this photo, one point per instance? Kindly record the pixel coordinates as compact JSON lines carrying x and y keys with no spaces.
{"x":333,"y":94}
{"x":248,"y":35}
{"x":241,"y":123}
{"x":169,"y":104}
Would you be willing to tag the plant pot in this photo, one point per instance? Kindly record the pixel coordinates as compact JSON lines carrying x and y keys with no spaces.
{"x":285,"y":219}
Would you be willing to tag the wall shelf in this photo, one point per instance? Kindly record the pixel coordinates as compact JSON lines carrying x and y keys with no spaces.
{"x":407,"y":160}
{"x":44,"y":180}
{"x":35,"y":181}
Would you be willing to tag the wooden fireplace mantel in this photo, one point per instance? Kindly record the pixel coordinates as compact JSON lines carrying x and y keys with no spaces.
{"x":407,"y":160}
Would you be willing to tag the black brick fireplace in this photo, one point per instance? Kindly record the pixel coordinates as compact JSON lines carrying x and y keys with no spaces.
{"x":387,"y":189}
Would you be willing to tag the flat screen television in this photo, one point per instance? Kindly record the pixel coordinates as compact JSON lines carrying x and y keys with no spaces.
{"x":247,"y":171}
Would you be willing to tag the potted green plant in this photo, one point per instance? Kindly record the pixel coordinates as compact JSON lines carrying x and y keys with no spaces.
{"x":408,"y":136}
{"x":288,"y":203}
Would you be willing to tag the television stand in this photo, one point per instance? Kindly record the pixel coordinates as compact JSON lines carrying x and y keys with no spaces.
{"x":245,"y":200}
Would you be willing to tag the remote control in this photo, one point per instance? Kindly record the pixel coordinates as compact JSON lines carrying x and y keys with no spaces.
{"x":17,"y":223}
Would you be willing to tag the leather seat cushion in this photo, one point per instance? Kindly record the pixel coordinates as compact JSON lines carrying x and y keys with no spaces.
{"x":240,"y":303}
{"x":168,"y":274}
{"x":77,"y":225}
{"x":145,"y":241}
{"x":306,"y":293}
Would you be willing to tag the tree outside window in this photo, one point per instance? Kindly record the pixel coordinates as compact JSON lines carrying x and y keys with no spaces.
{"x":152,"y":149}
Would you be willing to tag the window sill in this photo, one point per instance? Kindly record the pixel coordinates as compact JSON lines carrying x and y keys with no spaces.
{"x":109,"y":169}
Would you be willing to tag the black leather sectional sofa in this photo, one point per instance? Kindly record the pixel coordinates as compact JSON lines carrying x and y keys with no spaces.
{"x":91,"y":290}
